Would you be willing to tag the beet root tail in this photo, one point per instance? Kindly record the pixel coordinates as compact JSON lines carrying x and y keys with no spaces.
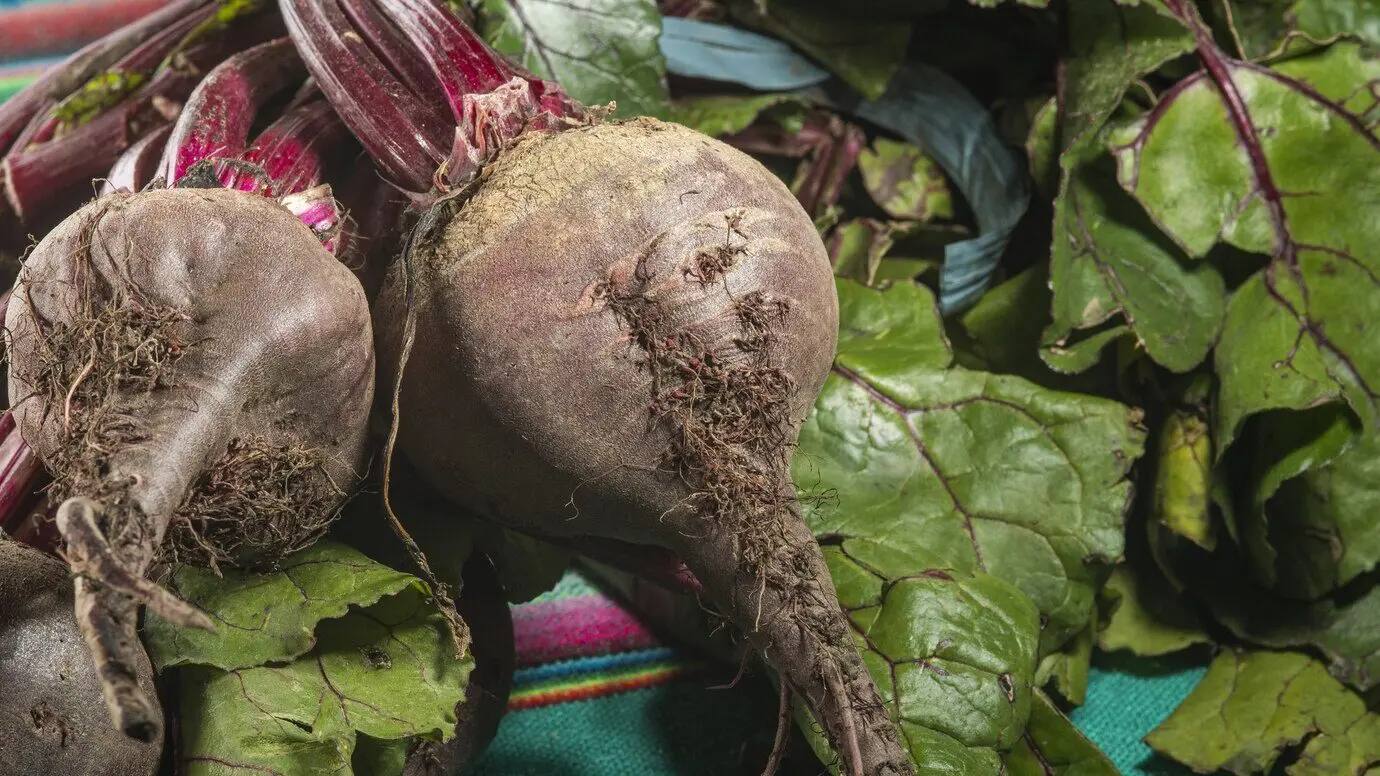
{"x":108,"y":595}
{"x":789,"y":611}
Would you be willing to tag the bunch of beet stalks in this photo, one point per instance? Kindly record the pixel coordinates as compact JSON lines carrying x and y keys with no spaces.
{"x":249,"y":230}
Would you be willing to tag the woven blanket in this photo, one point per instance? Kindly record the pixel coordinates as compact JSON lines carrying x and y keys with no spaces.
{"x":597,"y":694}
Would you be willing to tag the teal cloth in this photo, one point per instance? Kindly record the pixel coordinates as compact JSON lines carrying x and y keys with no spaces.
{"x":1130,"y":696}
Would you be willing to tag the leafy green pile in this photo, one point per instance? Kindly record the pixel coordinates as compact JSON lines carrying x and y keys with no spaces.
{"x":1158,"y":427}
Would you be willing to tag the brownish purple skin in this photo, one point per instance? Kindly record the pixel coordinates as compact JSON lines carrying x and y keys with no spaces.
{"x":524,"y":400}
{"x":52,"y":717}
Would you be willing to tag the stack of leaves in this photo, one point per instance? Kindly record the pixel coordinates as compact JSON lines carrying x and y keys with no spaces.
{"x":334,"y":663}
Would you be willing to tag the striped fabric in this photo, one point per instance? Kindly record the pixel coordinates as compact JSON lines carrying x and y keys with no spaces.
{"x":596,"y":693}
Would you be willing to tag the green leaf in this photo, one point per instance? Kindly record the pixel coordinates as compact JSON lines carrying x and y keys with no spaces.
{"x":857,"y":248}
{"x":865,"y":53}
{"x":953,"y":655}
{"x":907,"y":184}
{"x":379,"y":757}
{"x":1146,"y":616}
{"x":263,"y":618}
{"x":1066,"y":671}
{"x":1110,"y":46}
{"x":1245,"y":172}
{"x":1251,"y":705}
{"x":1052,"y":746}
{"x":968,"y":511}
{"x":388,"y":672}
{"x":717,"y":115}
{"x":1041,"y":151}
{"x":1323,"y":520}
{"x":600,"y":51}
{"x":1262,"y":29}
{"x":1108,"y":263}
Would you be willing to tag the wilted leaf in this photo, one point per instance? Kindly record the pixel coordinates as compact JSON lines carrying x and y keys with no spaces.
{"x":1052,"y":746}
{"x":866,"y":53}
{"x":904,"y":182}
{"x":1251,"y":705}
{"x":1147,"y":617}
{"x":857,"y":247}
{"x":1244,"y":171}
{"x":600,"y":51}
{"x":269,"y":617}
{"x":388,"y":672}
{"x":1183,"y":478}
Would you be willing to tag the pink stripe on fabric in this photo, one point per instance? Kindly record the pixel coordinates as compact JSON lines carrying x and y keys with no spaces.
{"x":575,"y":627}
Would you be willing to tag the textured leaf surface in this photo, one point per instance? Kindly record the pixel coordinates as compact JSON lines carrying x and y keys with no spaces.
{"x":1251,"y":705}
{"x":725,"y":114}
{"x":263,"y":618}
{"x":388,"y":671}
{"x":1230,"y":155}
{"x":600,"y":51}
{"x":968,"y":509}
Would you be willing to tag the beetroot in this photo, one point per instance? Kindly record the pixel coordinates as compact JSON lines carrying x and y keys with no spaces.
{"x":53,"y":720}
{"x":195,"y":371}
{"x":605,"y":329}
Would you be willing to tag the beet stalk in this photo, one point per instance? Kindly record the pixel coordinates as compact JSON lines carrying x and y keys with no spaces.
{"x":608,"y":329}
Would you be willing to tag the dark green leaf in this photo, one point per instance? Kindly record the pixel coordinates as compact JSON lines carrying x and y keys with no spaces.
{"x":1146,"y":615}
{"x":864,"y":52}
{"x":1251,"y":705}
{"x":1110,"y":263}
{"x":388,"y":672}
{"x":1265,"y":28}
{"x":600,"y":51}
{"x":1052,"y":746}
{"x":263,"y":618}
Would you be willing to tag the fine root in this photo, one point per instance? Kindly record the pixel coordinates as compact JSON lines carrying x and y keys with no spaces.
{"x":255,"y":506}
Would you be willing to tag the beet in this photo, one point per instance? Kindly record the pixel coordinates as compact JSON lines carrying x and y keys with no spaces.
{"x":604,"y":330}
{"x":195,"y":370}
{"x":52,"y":720}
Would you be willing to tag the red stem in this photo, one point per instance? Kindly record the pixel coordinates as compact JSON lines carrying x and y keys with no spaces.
{"x":216,"y":120}
{"x":59,"y":81}
{"x":138,"y":165}
{"x":462,"y":61}
{"x":143,"y":60}
{"x":407,"y":137}
{"x":392,"y":47}
{"x":19,"y":471}
{"x":293,"y":151}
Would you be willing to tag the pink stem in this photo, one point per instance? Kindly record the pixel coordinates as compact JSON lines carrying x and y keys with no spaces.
{"x":216,"y":120}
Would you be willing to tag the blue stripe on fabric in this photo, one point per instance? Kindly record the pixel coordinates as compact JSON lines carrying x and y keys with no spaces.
{"x":591,"y":665}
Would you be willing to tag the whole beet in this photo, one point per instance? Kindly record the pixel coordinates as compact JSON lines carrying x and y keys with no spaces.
{"x":617,"y":334}
{"x":52,"y":719}
{"x":195,"y":370}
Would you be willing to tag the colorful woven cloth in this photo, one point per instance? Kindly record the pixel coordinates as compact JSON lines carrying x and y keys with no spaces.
{"x":597,"y":694}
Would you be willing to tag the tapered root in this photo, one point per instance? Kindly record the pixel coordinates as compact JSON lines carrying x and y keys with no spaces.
{"x":107,"y":623}
{"x":108,"y":595}
{"x":789,"y":611}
